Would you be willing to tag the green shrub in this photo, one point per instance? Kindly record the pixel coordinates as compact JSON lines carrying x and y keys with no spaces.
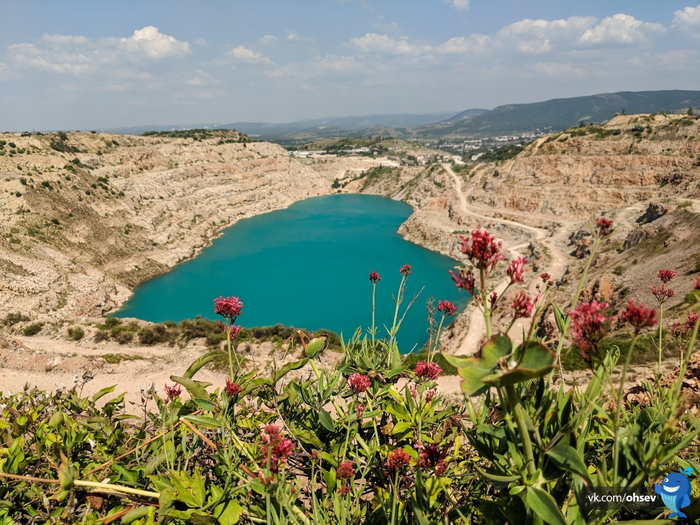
{"x":123,"y":336}
{"x":33,"y":329}
{"x":76,"y":333}
{"x":14,"y":318}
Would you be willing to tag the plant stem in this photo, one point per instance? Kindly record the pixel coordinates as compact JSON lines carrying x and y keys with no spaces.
{"x":519,"y":417}
{"x":487,"y":312}
{"x":661,"y":336}
{"x":437,"y":338}
{"x":374,"y":290}
{"x":395,"y":498}
{"x":618,"y":407}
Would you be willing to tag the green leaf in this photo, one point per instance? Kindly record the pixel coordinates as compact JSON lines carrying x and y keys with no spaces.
{"x":560,"y":319}
{"x":103,"y":392}
{"x":195,"y":388}
{"x":203,"y":421}
{"x":197,"y":364}
{"x":497,"y":478}
{"x":473,"y":369}
{"x":134,"y":514}
{"x":205,"y":404}
{"x":326,"y":420}
{"x":515,"y":376}
{"x":294,"y":365}
{"x":228,"y":513}
{"x":307,"y":436}
{"x":543,"y":504}
{"x":535,"y":357}
{"x":566,"y":458}
{"x":315,"y":347}
{"x":401,"y":427}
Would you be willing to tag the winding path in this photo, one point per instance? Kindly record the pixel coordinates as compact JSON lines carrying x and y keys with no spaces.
{"x":477,"y":326}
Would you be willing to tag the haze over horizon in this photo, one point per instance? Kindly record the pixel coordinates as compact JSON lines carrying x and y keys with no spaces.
{"x":109,"y":66}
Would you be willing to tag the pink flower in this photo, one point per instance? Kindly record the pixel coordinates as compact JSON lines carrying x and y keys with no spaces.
{"x":232,"y":389}
{"x":522,"y":306}
{"x":358,"y":383}
{"x":231,"y":330}
{"x":666,"y":275}
{"x":397,"y":460}
{"x":482,"y":250}
{"x":172,"y":392}
{"x":276,"y":448}
{"x":427,"y":371}
{"x":464,"y":281}
{"x":344,"y":490}
{"x":345,"y":470}
{"x":405,"y":270}
{"x":639,"y":316}
{"x":603,"y":227}
{"x":431,"y":456}
{"x":697,"y":283}
{"x":430,"y":394}
{"x":690,"y":321}
{"x":492,"y":299}
{"x":545,"y":277}
{"x":446,"y":308}
{"x":414,"y":390}
{"x":359,"y":410}
{"x":228,"y":308}
{"x":589,"y":326}
{"x":516,"y":268}
{"x":662,"y":294}
{"x":374,"y":277}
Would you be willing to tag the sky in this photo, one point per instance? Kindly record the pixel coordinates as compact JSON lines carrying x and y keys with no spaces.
{"x":94,"y":65}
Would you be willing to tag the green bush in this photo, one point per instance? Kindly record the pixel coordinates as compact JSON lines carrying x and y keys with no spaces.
{"x":76,"y":333}
{"x":33,"y":329}
{"x":14,"y":318}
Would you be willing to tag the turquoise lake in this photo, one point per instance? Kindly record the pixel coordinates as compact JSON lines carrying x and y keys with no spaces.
{"x":307,"y":266}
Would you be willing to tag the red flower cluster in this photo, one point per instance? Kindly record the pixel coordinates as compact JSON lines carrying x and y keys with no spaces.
{"x":427,"y":371}
{"x":359,"y":410}
{"x":666,"y":275}
{"x":231,"y":330}
{"x":590,"y":325}
{"x":446,"y":308}
{"x":430,"y":394}
{"x":358,"y":383}
{"x":405,"y":270}
{"x":603,"y":227}
{"x":172,"y":392}
{"x":697,"y":283}
{"x":432,"y":456}
{"x":374,"y":277}
{"x":492,"y":299}
{"x":522,"y":306}
{"x":464,"y":281}
{"x":482,"y":250}
{"x":545,"y":277}
{"x":662,"y":293}
{"x":639,"y":316}
{"x":345,"y":470}
{"x":276,"y":449}
{"x":683,"y":329}
{"x":232,"y":389}
{"x":228,"y":307}
{"x":397,"y":460}
{"x":516,"y":268}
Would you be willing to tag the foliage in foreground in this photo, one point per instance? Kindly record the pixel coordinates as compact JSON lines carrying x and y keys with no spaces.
{"x":370,"y":441}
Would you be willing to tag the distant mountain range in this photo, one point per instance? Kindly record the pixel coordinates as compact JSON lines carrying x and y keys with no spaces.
{"x":510,"y":119}
{"x":322,"y":126}
{"x":556,"y":114}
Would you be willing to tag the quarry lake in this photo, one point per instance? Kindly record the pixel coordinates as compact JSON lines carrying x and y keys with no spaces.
{"x":307,"y":266}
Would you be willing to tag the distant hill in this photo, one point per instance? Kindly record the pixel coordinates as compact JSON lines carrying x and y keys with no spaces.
{"x":556,"y":114}
{"x":320,"y":127}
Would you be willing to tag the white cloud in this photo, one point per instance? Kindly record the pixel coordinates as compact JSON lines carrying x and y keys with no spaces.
{"x":373,"y":42}
{"x":268,"y":40}
{"x":462,"y":44}
{"x":539,"y":36}
{"x":78,"y":55}
{"x":293,"y":36}
{"x":462,"y":5}
{"x":621,"y":29}
{"x":201,"y":42}
{"x":688,"y":20}
{"x":150,"y":42}
{"x":243,"y":54}
{"x":202,"y":78}
{"x":558,"y":69}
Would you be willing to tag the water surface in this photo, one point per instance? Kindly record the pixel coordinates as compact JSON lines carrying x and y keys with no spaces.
{"x":307,"y":266}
